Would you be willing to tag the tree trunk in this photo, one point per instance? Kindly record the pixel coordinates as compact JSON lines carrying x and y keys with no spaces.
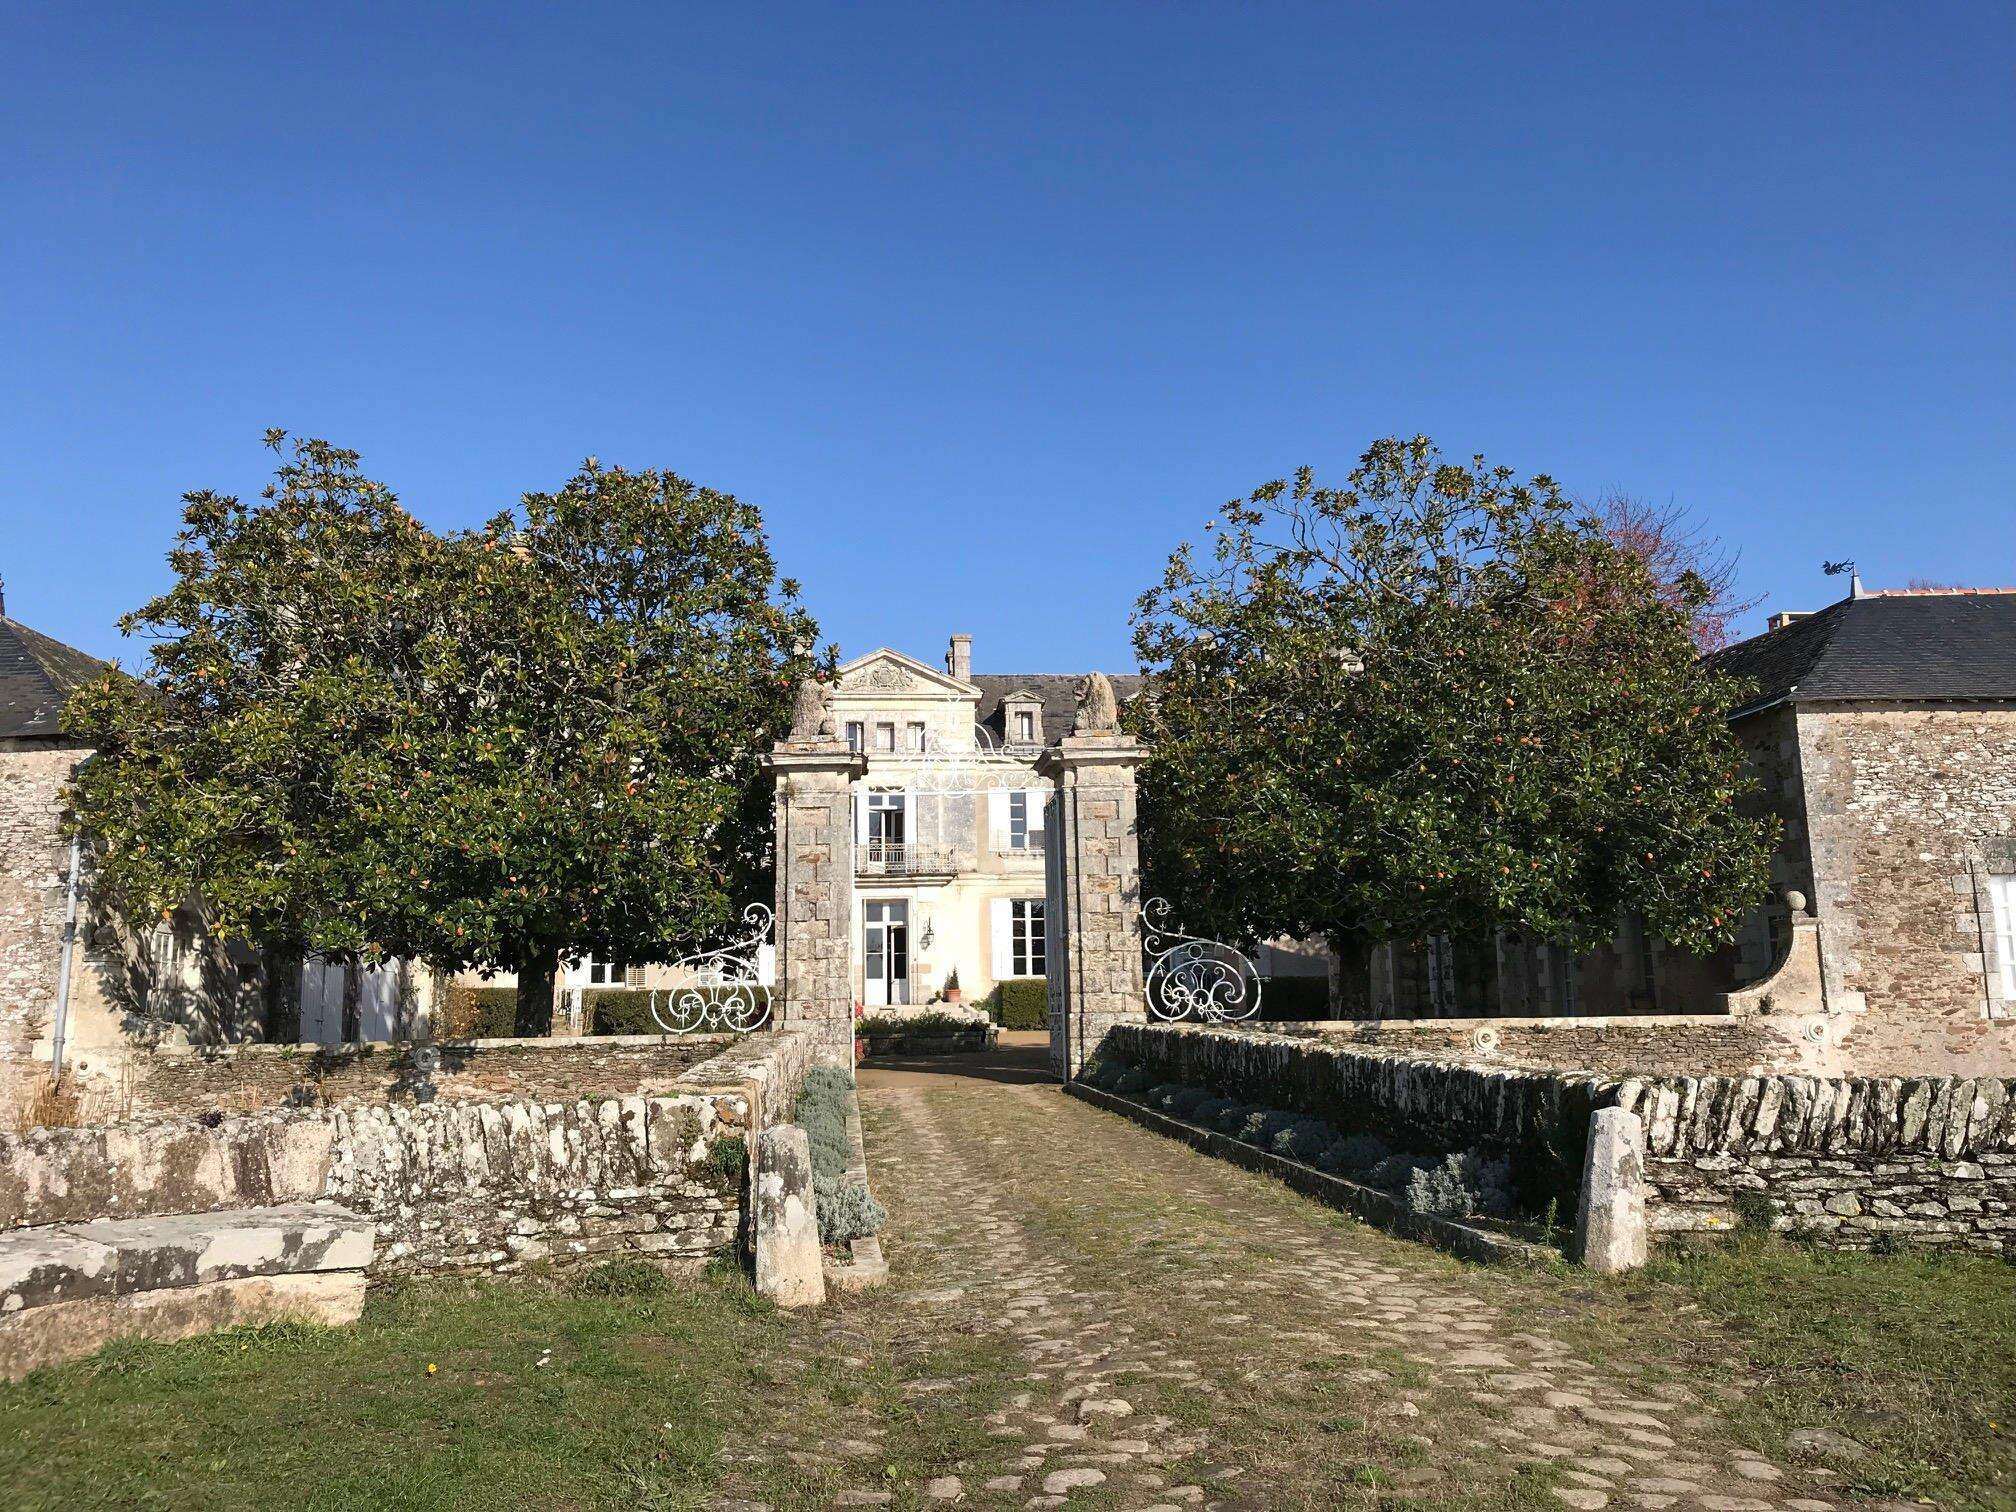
{"x":538,"y":988}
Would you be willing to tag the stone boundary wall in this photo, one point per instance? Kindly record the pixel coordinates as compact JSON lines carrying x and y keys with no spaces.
{"x":1854,"y":1162}
{"x":448,"y":1185}
{"x":244,"y":1078}
{"x":1680,"y":1044}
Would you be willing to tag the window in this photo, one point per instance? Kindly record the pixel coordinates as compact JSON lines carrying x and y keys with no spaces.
{"x":2002,"y":898}
{"x":857,"y":738}
{"x":605,"y":973}
{"x":1025,"y":727}
{"x":916,"y":736}
{"x":1025,"y":917}
{"x":165,"y":953}
{"x":1018,"y":820}
{"x":885,"y":737}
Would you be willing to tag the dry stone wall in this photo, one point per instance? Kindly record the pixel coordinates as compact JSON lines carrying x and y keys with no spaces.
{"x":448,"y":1185}
{"x":1855,"y":1162}
{"x":1859,"y":1162}
{"x":245,"y":1078}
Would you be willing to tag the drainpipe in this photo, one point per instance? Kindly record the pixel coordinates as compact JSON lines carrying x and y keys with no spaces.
{"x":63,"y":972}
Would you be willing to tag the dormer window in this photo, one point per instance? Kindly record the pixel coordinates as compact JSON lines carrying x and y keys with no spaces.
{"x":1025,"y":727}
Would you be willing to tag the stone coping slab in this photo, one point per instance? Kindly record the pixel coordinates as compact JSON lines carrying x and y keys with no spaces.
{"x":122,"y":1257}
{"x":1381,"y":1209}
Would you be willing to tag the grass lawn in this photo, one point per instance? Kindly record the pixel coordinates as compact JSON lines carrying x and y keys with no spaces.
{"x":1911,"y":1356}
{"x":652,"y":1394}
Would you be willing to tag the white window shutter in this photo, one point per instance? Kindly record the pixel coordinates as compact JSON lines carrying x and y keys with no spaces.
{"x":1033,"y":798}
{"x":997,"y":818}
{"x":1001,"y":953}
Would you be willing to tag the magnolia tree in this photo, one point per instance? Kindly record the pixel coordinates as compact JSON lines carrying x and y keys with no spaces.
{"x":1435,"y":699}
{"x":490,"y":749}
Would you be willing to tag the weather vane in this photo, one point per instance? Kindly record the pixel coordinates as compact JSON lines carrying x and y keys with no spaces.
{"x":1835,"y":569}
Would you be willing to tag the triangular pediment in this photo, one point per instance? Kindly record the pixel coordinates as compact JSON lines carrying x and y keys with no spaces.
{"x":887,"y":671}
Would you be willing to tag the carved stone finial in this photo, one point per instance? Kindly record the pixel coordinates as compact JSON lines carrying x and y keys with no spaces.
{"x":1098,"y":710}
{"x":812,"y":714}
{"x":1795,"y":900}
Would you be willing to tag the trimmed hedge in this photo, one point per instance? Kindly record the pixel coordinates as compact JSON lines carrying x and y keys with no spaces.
{"x":1022,"y":1003}
{"x":481,"y":1013}
{"x":627,"y":1010}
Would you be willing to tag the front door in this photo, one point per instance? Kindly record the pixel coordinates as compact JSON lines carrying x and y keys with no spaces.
{"x":885,"y":947}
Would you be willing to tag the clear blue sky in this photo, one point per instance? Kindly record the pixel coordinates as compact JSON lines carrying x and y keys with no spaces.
{"x":988,"y":306}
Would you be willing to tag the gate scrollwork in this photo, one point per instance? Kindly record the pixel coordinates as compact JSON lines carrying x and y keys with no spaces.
{"x":726,"y":989}
{"x":1191,"y":978}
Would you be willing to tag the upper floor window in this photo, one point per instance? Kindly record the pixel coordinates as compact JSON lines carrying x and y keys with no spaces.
{"x":885,"y":737}
{"x":914,"y":739}
{"x":1025,"y":727}
{"x":1018,"y":820}
{"x":857,"y":735}
{"x":605,"y":973}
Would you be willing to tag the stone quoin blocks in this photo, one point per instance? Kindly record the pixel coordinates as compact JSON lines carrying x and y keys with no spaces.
{"x":1094,"y":917}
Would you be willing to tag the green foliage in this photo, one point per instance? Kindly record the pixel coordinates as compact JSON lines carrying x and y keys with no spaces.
{"x":1022,"y":1003}
{"x":894,"y":1025}
{"x":1435,"y":697}
{"x":483,"y":1012}
{"x":1460,"y":1185}
{"x":846,"y":1210}
{"x":489,"y":748}
{"x":729,"y":1159}
{"x":622,"y":1278}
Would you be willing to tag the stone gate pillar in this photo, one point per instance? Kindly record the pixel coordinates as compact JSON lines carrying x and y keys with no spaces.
{"x":815,"y":887}
{"x":1093,"y":912}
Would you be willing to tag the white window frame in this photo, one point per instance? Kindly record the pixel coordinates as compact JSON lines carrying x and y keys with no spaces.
{"x":857,"y":735}
{"x":2002,"y":934}
{"x":885,"y":736}
{"x":914,"y":737}
{"x":1028,"y":948}
{"x":1025,"y":727}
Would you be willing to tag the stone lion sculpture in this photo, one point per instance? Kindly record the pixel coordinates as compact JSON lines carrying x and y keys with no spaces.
{"x":812,"y":713}
{"x":1098,"y":710}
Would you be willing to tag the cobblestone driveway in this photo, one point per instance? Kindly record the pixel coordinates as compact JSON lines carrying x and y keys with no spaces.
{"x":1179,"y":1333}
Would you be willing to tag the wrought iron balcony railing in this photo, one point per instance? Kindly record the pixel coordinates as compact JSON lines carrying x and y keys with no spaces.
{"x":884,"y":858}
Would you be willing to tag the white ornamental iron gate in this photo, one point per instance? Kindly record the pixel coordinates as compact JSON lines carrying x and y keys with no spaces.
{"x":1191,"y":979}
{"x":724,"y":990}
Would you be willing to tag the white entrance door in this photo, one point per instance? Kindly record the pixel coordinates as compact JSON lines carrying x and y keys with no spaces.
{"x":885,"y":948}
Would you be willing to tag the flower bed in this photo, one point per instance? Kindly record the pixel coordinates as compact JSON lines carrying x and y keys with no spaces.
{"x":932,"y":1031}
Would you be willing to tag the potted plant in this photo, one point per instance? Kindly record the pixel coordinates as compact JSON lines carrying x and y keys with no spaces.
{"x":952,"y":986}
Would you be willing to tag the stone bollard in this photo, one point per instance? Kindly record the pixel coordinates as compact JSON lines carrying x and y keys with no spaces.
{"x":1610,"y":1228}
{"x":790,"y":1270}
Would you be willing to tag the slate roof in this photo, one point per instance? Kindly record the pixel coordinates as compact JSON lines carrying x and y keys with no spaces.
{"x":1901,"y":647}
{"x":36,"y":676}
{"x":1058,"y":692}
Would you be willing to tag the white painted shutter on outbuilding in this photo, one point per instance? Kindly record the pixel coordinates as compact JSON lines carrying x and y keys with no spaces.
{"x":1001,"y":932}
{"x":997,"y":818}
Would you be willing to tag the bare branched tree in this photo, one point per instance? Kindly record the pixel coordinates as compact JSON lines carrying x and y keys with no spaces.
{"x":1689,"y":565}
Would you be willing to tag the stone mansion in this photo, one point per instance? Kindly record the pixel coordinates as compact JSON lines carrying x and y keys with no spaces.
{"x":948,"y":822}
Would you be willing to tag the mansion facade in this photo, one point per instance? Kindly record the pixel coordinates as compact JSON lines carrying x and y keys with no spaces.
{"x":950,"y":827}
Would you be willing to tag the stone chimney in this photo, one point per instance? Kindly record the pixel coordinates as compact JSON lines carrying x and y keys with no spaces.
{"x":959,"y":659}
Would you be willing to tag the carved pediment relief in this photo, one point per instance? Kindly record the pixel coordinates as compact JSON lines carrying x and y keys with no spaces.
{"x":888,"y":671}
{"x":884,"y":677}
